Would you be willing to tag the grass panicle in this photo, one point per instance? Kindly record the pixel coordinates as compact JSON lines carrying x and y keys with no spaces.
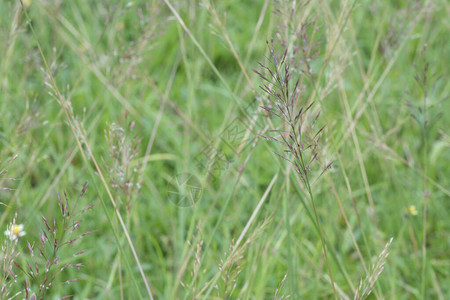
{"x":48,"y":257}
{"x":366,"y":286}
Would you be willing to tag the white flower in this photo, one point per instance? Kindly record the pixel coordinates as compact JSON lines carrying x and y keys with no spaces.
{"x":15,"y":231}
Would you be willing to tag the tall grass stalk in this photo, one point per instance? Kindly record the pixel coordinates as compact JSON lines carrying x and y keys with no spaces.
{"x":426,"y":113}
{"x":292,"y":274}
{"x":311,"y":197}
{"x":298,"y":137}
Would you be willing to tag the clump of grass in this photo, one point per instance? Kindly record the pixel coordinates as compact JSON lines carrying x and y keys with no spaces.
{"x":46,"y":260}
{"x":111,"y":63}
{"x":80,"y":135}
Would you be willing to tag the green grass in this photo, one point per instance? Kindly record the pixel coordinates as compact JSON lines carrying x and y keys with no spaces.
{"x":168,"y":66}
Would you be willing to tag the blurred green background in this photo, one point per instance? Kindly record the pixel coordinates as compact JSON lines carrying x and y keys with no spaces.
{"x":158,"y":91}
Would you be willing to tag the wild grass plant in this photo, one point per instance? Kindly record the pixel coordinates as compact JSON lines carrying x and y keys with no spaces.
{"x":32,"y":275}
{"x":321,"y":175}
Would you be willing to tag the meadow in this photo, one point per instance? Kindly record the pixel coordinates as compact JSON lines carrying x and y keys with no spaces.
{"x":226,"y":149}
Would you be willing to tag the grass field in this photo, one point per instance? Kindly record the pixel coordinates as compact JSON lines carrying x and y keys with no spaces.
{"x":149,"y":150}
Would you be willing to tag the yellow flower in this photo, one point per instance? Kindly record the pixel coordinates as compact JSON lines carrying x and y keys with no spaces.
{"x":15,"y":231}
{"x":26,"y":3}
{"x":412,"y":210}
